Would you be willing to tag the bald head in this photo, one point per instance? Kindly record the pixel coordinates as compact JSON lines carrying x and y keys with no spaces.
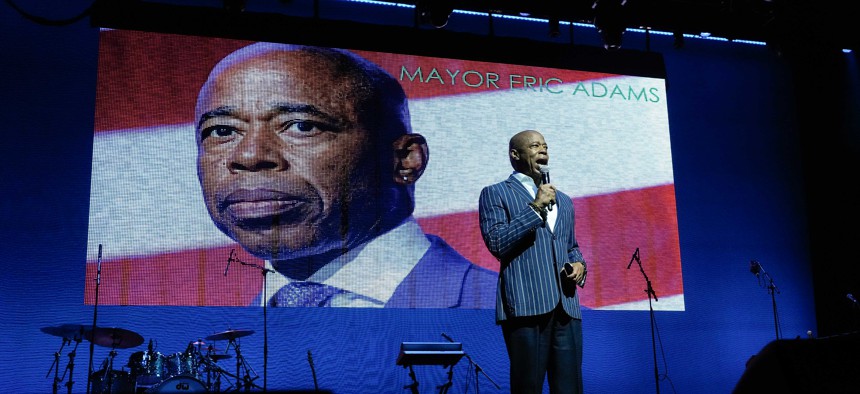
{"x":527,"y":151}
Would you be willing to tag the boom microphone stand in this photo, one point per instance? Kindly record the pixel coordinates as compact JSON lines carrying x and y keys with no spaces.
{"x":478,"y":369}
{"x":650,"y":291}
{"x":264,"y":271}
{"x":95,"y":314}
{"x":765,"y":280}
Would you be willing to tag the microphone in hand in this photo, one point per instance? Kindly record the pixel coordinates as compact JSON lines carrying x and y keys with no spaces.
{"x":544,"y":179}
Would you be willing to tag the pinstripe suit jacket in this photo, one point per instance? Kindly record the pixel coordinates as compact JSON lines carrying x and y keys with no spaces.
{"x":531,"y":256}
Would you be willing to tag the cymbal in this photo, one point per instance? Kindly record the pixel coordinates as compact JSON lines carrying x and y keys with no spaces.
{"x":114,"y":337}
{"x":216,"y":357}
{"x":67,"y":331}
{"x":229,"y":335}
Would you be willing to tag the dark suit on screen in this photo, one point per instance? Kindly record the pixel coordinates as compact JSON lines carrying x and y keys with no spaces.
{"x":445,"y":279}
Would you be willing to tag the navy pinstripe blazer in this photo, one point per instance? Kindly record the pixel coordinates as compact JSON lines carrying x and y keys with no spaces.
{"x":531,"y":256}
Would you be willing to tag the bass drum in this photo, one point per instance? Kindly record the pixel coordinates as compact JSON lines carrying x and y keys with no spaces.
{"x":179,"y":384}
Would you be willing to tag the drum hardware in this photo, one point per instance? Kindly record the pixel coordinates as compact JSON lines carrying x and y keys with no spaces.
{"x":110,"y":381}
{"x":147,"y":367}
{"x":229,"y":335}
{"x":107,"y":379}
{"x":214,"y":371}
{"x":113,"y":337}
{"x":243,"y":370}
{"x":69,"y":333}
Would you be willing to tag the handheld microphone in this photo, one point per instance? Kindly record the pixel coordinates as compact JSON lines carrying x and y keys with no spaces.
{"x":851,"y":297}
{"x":634,"y":257}
{"x":99,"y":267}
{"x":544,"y":179}
{"x":229,"y":260}
{"x":447,"y":337}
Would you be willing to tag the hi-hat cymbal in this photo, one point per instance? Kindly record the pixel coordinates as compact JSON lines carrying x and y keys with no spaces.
{"x":216,"y":357}
{"x":114,"y":337}
{"x":68,"y":331}
{"x":229,"y":335}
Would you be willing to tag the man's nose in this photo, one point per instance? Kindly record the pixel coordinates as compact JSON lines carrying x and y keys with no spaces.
{"x":258,"y":150}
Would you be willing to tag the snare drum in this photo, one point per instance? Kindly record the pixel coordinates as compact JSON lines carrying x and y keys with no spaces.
{"x":147,"y":368}
{"x":179,"y":384}
{"x":111,"y":382}
{"x":183,"y":363}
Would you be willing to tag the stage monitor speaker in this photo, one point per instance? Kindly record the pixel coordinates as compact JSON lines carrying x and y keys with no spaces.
{"x":820,"y":365}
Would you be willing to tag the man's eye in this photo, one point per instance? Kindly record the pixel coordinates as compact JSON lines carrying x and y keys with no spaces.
{"x":306,"y":128}
{"x":219,"y":131}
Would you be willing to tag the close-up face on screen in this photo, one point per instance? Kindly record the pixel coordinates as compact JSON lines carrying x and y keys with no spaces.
{"x":218,"y":160}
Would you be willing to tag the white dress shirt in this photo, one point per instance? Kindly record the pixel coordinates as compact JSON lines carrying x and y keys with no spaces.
{"x":529,"y":184}
{"x":372,"y":270}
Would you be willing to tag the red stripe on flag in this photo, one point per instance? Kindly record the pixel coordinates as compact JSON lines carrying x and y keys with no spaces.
{"x":192,"y":277}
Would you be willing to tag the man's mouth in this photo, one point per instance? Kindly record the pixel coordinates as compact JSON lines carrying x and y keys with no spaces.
{"x":254,"y":208}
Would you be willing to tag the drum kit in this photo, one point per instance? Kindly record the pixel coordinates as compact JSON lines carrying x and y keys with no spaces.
{"x":193,"y":370}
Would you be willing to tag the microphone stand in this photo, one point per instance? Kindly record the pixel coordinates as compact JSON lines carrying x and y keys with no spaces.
{"x":95,"y":314}
{"x":264,"y":271}
{"x":762,"y":275}
{"x":478,"y":369}
{"x":650,"y":290}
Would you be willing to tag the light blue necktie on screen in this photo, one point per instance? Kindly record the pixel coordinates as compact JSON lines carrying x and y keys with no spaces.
{"x":310,"y":294}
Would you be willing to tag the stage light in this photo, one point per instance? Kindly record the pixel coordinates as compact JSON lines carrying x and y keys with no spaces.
{"x":679,"y":40}
{"x":435,"y":12}
{"x":610,"y":22}
{"x":554,"y":26}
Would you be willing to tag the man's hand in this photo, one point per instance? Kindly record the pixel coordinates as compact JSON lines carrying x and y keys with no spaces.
{"x":545,"y":195}
{"x":574,"y":271}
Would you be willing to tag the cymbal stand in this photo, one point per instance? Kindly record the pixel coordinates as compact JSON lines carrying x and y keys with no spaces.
{"x":55,"y":366}
{"x":264,"y":271}
{"x":108,"y":378}
{"x":214,"y":369}
{"x":243,"y":370}
{"x":70,"y":368}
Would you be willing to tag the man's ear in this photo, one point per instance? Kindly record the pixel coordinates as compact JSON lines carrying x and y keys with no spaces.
{"x":410,"y":158}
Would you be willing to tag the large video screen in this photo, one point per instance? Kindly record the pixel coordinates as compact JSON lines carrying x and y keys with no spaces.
{"x":167,"y":227}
